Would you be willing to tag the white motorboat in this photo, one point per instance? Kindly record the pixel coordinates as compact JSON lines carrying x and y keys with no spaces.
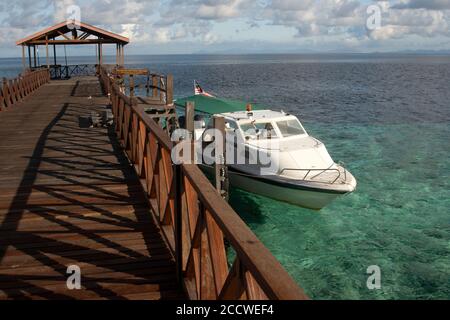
{"x":300,"y":170}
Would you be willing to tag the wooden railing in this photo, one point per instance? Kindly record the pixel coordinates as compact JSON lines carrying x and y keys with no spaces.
{"x":15,"y":90}
{"x":199,"y":226}
{"x":159,"y":88}
{"x":65,"y":72}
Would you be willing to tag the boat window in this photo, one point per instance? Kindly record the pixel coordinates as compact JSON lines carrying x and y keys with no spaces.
{"x":290,"y":128}
{"x":260,"y":130}
{"x":230,"y":125}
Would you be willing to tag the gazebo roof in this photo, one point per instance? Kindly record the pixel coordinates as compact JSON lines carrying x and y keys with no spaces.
{"x":61,"y":34}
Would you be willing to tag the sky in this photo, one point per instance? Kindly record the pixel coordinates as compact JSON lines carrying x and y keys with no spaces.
{"x":242,"y":26}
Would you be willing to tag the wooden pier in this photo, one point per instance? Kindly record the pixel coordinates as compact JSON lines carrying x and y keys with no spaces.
{"x":68,"y":196}
{"x":136,"y":225}
{"x":110,"y":201}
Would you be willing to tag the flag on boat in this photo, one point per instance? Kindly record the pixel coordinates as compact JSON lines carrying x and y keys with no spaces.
{"x":199,"y":91}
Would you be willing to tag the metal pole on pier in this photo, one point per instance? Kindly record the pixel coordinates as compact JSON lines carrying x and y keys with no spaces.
{"x":131,"y":86}
{"x":189,"y":116}
{"x":189,"y":126}
{"x":221,"y":170}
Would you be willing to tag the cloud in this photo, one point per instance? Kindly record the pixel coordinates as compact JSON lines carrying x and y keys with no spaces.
{"x":400,"y":23}
{"x":317,"y":18}
{"x":25,"y":14}
{"x":291,"y":5}
{"x":326,"y":23}
{"x":424,"y":4}
{"x":219,"y":10}
{"x":347,"y":18}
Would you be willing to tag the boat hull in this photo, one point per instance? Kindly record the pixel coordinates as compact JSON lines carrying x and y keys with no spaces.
{"x":313,"y":198}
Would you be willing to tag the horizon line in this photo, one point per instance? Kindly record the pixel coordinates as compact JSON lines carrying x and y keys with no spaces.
{"x":406,"y":52}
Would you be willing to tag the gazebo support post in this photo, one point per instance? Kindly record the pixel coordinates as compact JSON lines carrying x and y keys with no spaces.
{"x":35,"y":60}
{"x":46,"y":53}
{"x":117,"y":54}
{"x":29,"y":56}
{"x":23,"y":58}
{"x":122,"y":55}
{"x":54,"y":54}
{"x":100,"y":54}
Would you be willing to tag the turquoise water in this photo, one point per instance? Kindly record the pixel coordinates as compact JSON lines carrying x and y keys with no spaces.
{"x":387,"y":117}
{"x":397,"y":219}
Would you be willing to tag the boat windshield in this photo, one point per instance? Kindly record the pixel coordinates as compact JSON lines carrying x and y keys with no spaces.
{"x":259,"y":130}
{"x":289,"y":128}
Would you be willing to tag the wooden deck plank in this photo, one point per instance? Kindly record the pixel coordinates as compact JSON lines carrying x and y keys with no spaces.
{"x":69,"y":196}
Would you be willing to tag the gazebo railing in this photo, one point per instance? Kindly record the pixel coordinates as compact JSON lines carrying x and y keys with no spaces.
{"x":68,"y":71}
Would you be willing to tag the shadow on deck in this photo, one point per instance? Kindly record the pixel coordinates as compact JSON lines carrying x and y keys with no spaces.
{"x":68,"y":196}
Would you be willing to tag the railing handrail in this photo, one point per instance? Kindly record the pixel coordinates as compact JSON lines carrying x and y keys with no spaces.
{"x":161,"y":86}
{"x":274,"y":279}
{"x":254,"y":262}
{"x":13,"y":91}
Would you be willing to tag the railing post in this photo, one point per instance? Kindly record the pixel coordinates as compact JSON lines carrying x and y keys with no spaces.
{"x":20,"y":85}
{"x":6,"y":93}
{"x":33,"y":81}
{"x":1,"y":98}
{"x":12,"y":88}
{"x":169,"y":90}
{"x":17,"y":89}
{"x":131,"y":86}
{"x":27,"y":84}
{"x":178,"y":180}
{"x":155,"y":86}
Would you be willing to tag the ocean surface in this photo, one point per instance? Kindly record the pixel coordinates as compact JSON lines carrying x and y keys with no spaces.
{"x":387,"y":117}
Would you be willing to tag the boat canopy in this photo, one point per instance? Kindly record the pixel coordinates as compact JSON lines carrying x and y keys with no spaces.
{"x":213,"y":105}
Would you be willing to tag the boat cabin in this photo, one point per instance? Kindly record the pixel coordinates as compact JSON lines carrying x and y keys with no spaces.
{"x":257,"y":124}
{"x":264,"y":124}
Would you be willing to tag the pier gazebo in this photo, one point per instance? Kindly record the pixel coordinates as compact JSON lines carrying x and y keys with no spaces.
{"x":63,"y":34}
